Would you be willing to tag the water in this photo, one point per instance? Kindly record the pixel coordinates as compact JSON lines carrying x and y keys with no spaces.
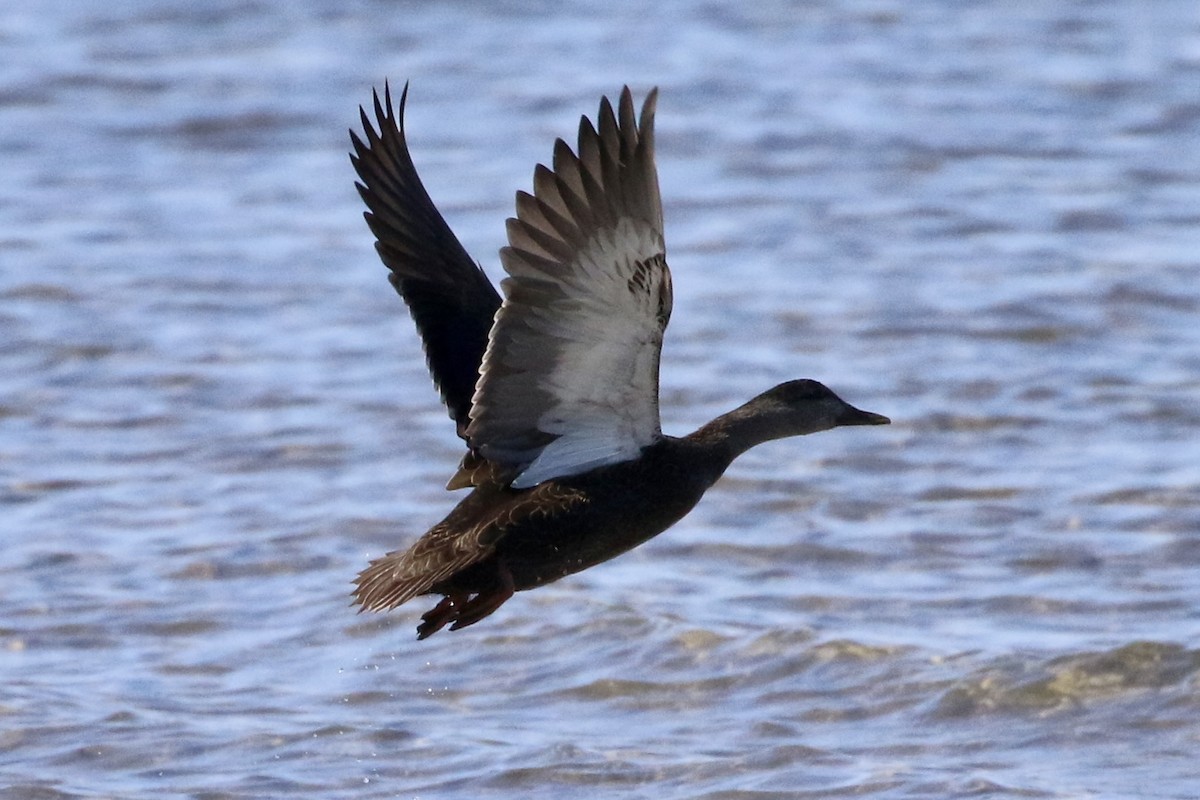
{"x":980,"y":219}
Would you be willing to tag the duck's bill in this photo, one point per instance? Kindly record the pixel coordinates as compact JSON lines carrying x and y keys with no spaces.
{"x":856,"y":416}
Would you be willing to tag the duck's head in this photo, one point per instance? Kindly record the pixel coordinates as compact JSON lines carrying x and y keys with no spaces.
{"x":805,"y":406}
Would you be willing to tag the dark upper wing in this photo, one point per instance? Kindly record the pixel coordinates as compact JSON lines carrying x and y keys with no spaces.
{"x":450,"y":298}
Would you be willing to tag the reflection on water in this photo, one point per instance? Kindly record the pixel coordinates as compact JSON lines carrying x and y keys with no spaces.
{"x":977,"y":220}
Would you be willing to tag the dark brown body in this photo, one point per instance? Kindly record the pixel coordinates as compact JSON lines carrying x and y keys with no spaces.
{"x":501,"y":540}
{"x":566,"y":525}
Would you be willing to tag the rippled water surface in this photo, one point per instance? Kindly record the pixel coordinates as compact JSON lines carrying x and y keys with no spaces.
{"x":981,"y":219}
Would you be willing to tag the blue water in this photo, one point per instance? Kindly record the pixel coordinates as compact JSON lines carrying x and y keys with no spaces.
{"x":979,"y":219}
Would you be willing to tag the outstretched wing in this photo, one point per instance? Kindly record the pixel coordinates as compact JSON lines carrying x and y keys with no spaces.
{"x":451,"y":300}
{"x":569,"y":381}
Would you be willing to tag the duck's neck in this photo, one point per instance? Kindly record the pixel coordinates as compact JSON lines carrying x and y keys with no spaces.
{"x":733,"y":433}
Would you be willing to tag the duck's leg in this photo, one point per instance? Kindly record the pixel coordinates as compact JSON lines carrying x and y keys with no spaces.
{"x":485,"y":602}
{"x":436,"y":618}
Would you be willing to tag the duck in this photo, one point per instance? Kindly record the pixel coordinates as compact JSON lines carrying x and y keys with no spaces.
{"x":553,"y":385}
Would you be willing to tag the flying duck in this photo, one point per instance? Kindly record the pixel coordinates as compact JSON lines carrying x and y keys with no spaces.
{"x":554,"y":387}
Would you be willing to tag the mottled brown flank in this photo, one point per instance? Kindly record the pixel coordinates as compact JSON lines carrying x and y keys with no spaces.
{"x":501,"y":540}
